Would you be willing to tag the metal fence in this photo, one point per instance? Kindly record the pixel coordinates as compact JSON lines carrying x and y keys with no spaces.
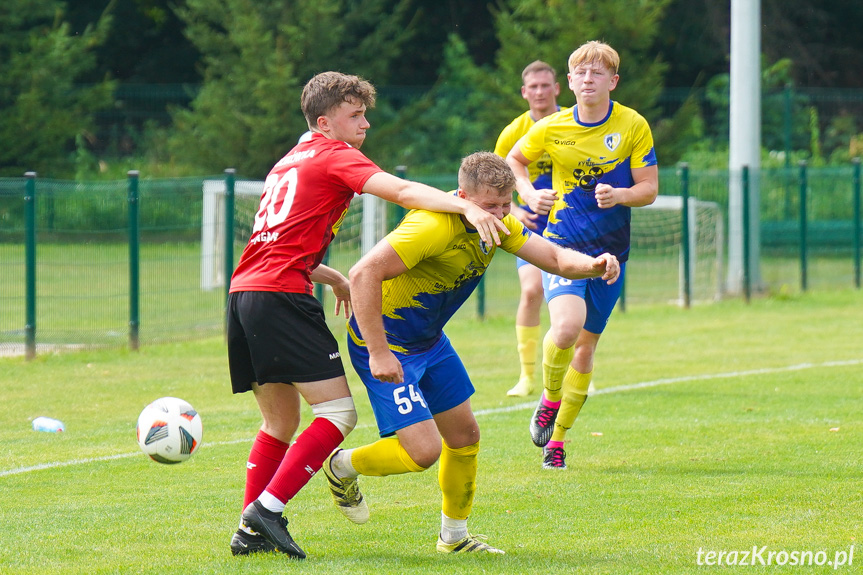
{"x":144,"y":260}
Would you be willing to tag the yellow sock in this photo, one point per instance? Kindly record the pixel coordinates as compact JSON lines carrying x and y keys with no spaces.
{"x":457,"y":479}
{"x":527,"y":337}
{"x":555,"y":362}
{"x":383,"y":457}
{"x":575,"y":387}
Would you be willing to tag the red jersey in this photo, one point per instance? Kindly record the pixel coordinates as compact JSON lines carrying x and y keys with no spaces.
{"x":305,"y":198}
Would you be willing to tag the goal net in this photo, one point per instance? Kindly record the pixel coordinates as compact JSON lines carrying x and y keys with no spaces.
{"x":656,"y":268}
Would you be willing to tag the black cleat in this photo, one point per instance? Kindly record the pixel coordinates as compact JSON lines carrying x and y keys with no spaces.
{"x":273,"y":527}
{"x":553,"y":458}
{"x":243,"y":543}
{"x":542,"y":423}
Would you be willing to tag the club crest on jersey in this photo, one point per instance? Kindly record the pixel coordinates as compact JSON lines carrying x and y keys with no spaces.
{"x":612,"y":141}
{"x":483,"y":247}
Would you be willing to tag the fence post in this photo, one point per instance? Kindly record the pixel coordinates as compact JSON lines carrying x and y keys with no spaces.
{"x":686,"y":247}
{"x":622,"y":298}
{"x":856,"y":186}
{"x":230,"y":178}
{"x":803,"y":189}
{"x":398,"y":211}
{"x":30,"y":265}
{"x":134,"y":262}
{"x":747,"y":276}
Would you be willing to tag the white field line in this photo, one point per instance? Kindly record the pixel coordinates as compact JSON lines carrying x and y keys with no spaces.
{"x":492,"y":411}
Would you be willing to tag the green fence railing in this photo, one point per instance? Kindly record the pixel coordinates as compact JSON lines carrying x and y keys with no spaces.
{"x":145,"y":260}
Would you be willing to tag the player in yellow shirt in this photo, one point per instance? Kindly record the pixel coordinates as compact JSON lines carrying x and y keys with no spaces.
{"x":604,"y":165}
{"x":403,"y":292}
{"x":541,"y":89}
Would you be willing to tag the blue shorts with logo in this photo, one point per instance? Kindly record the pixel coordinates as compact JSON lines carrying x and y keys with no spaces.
{"x":435,"y":381}
{"x":598,"y":296}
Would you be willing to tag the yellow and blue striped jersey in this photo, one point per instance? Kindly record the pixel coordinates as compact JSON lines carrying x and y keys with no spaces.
{"x":585,"y":155}
{"x":445,"y":262}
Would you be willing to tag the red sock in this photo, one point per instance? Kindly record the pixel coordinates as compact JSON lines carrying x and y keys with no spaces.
{"x":266,"y":456}
{"x":305,"y":458}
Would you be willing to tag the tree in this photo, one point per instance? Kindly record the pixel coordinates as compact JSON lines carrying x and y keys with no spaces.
{"x":471,"y":103}
{"x":146,"y":46}
{"x":44,"y":110}
{"x":257,"y":57}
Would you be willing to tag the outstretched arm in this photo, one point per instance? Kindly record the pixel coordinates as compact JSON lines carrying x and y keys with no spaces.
{"x":414,"y":195}
{"x":568,"y":263}
{"x":367,"y":278}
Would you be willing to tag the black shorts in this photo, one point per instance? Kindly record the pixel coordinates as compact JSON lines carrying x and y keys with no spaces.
{"x":278,"y":337}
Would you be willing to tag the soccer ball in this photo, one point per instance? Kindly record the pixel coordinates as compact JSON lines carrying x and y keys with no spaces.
{"x":169,"y":430}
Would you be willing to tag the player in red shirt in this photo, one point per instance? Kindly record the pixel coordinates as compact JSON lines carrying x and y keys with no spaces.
{"x":279,"y":345}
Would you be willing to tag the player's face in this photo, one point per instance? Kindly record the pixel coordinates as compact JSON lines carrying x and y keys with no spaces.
{"x":347,"y":123}
{"x":493,"y":201}
{"x":541,"y":92}
{"x":591,"y":83}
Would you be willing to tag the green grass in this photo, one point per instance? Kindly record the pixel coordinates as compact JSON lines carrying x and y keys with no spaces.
{"x":729,"y":446}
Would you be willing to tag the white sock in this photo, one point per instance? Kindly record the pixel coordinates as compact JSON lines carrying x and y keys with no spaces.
{"x":341,"y":464}
{"x":452,"y":530}
{"x":271,"y":503}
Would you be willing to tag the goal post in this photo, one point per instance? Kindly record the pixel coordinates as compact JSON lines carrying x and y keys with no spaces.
{"x":659,"y":239}
{"x":213,"y":228}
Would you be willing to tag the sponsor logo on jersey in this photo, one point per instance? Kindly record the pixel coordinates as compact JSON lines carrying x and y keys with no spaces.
{"x":264,"y":237}
{"x":565,"y":142}
{"x":296,"y":157}
{"x":335,"y":355}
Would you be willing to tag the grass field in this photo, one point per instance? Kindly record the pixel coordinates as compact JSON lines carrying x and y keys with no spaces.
{"x":724,"y":427}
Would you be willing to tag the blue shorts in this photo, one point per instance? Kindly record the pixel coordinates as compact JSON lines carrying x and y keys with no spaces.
{"x":435,"y":381}
{"x":520,"y":263}
{"x":598,"y":296}
{"x":541,"y":223}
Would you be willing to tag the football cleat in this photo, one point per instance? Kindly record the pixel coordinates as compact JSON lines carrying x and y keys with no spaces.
{"x":273,"y":527}
{"x":243,"y":543}
{"x":469,"y":544}
{"x":553,"y":458}
{"x":542,"y":423}
{"x":346,"y":494}
{"x":523,"y":388}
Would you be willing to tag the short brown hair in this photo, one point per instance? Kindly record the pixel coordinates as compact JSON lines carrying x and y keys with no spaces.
{"x":328,"y":90}
{"x":485,"y":169}
{"x":537,"y":66}
{"x":595,"y":51}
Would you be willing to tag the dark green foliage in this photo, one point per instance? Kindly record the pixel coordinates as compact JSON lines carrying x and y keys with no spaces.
{"x":44,"y":109}
{"x":256,"y":59}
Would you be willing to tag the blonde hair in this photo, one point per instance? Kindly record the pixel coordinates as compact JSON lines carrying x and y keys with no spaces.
{"x":595,"y":51}
{"x":485,"y":169}
{"x":537,"y":66}
{"x":327,"y":90}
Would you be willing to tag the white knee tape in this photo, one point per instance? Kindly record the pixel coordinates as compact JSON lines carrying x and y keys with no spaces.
{"x":340,"y":412}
